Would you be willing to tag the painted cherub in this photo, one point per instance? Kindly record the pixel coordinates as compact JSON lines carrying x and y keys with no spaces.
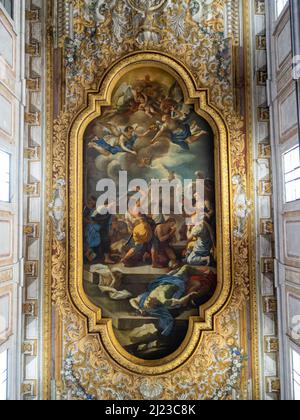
{"x":143,"y":102}
{"x":180,"y":133}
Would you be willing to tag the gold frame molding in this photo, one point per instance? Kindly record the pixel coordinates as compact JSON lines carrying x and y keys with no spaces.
{"x":96,"y":324}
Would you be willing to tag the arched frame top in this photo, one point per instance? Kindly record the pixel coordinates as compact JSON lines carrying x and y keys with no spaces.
{"x":204,"y":323}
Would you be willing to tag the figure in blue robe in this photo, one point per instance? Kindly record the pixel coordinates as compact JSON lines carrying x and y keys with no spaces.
{"x":114,"y":148}
{"x":156,"y":301}
{"x":180,"y":136}
{"x":92,"y":230}
{"x":115,"y":141}
{"x":179,"y":132}
{"x":201,"y":252}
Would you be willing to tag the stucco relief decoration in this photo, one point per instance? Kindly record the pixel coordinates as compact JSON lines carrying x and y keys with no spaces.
{"x":105,"y":31}
{"x":192,"y":32}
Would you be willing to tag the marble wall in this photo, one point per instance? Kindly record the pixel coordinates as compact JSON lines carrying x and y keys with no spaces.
{"x":267,"y":305}
{"x":11,"y":142}
{"x":34,"y":198}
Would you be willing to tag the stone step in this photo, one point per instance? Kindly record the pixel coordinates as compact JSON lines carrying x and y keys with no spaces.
{"x":135,"y":279}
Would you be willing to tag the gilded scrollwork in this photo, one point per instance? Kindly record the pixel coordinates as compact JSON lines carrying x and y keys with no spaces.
{"x":192,"y":33}
{"x":106,"y":31}
{"x":57,"y":209}
{"x":221,"y":361}
{"x":90,"y":374}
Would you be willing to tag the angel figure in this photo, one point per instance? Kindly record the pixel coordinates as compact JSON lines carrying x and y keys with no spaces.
{"x":179,"y":132}
{"x":141,"y":96}
{"x":117,"y":140}
{"x":143,"y":102}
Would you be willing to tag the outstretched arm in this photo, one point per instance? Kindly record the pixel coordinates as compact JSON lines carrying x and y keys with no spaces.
{"x":157,"y":136}
{"x":184,"y":301}
{"x":95,"y":146}
{"x":122,"y":144}
{"x":151,"y":129}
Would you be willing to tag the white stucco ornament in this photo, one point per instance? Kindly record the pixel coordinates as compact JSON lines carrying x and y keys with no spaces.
{"x":242,"y":206}
{"x":57,"y":209}
{"x":150,"y":390}
{"x":100,"y":10}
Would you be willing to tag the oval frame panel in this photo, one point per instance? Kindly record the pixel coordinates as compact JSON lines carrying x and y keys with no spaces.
{"x":96,"y":324}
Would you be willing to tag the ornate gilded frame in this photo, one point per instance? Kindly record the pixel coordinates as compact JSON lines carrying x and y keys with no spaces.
{"x":96,"y":324}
